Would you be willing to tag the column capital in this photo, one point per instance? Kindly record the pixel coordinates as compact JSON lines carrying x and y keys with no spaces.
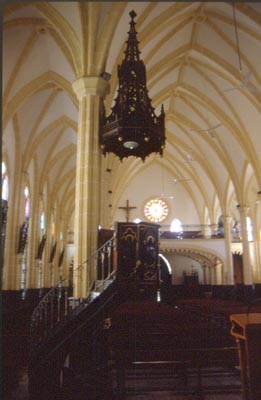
{"x":226,"y":218}
{"x":243,"y":209}
{"x":92,"y":85}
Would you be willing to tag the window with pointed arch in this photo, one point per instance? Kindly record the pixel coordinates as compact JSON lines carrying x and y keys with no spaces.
{"x":4,"y":182}
{"x":22,"y":248}
{"x":249,"y":229}
{"x":4,"y":202}
{"x":42,"y":222}
{"x":27,"y":203}
{"x":53,"y":230}
{"x":52,"y":225}
{"x":176,"y":225}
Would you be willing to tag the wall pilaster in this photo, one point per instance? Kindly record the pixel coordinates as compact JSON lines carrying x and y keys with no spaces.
{"x":247,"y":267}
{"x":228,"y":274}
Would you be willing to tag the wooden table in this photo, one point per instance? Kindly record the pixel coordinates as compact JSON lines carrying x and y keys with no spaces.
{"x":246,"y":328}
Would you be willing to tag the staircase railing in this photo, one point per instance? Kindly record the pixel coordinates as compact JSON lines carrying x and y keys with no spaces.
{"x":57,"y":307}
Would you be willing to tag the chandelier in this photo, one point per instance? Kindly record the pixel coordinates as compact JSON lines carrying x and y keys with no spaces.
{"x":132,"y":128}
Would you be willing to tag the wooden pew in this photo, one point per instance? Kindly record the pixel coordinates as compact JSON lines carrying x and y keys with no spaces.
{"x":175,"y":337}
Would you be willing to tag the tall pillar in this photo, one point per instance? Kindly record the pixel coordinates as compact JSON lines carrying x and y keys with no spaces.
{"x":257,"y":238}
{"x":11,"y":278}
{"x":34,"y":237}
{"x":219,"y":272}
{"x":87,"y":191}
{"x":212,"y":275}
{"x":204,"y":268}
{"x":247,"y":268}
{"x":228,"y":274}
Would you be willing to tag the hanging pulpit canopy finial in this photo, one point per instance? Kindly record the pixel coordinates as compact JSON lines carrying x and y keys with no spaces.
{"x":132,"y":128}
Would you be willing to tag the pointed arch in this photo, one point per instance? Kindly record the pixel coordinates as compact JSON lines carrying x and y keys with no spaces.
{"x":39,"y":83}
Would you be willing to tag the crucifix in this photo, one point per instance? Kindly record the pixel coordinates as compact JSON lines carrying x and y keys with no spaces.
{"x":127,"y":209}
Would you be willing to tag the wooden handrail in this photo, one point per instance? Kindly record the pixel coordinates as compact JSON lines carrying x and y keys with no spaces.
{"x":56,"y":307}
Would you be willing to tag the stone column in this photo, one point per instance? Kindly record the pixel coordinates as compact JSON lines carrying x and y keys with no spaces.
{"x":33,"y":236}
{"x":247,"y":268}
{"x":211,"y":275}
{"x":228,"y":274}
{"x":48,"y":246}
{"x":213,"y":229}
{"x":11,"y":272}
{"x":204,"y":268}
{"x":257,"y":238}
{"x":207,"y":275}
{"x":214,"y":274}
{"x":219,"y":273}
{"x":87,"y":190}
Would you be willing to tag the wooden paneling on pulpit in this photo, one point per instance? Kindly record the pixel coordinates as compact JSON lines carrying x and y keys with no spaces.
{"x":246,"y":328}
{"x":138,"y":256}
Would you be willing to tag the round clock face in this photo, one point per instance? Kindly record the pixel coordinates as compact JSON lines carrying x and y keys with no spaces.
{"x":156,"y":210}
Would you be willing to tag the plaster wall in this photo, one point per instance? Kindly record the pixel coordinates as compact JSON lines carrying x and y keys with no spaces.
{"x":153,"y":182}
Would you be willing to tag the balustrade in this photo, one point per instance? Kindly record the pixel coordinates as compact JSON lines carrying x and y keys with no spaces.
{"x":198,"y":231}
{"x":57,"y":307}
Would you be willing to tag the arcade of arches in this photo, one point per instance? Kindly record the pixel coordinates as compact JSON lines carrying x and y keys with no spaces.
{"x":57,"y":188}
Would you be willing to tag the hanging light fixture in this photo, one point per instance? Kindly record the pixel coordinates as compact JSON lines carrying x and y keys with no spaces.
{"x":132,"y":128}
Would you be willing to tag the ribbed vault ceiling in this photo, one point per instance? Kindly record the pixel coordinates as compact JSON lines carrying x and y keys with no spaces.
{"x":193,"y":52}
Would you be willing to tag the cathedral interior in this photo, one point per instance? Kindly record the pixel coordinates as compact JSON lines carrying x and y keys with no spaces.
{"x":131,"y":200}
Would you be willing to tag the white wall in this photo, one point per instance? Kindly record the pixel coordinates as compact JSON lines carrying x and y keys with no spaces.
{"x":154,"y":182}
{"x":181,"y":264}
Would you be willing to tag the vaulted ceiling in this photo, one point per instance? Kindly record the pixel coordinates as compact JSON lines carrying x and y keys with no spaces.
{"x":203,"y":65}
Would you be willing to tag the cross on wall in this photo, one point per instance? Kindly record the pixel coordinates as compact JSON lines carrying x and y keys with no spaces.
{"x":127,"y":210}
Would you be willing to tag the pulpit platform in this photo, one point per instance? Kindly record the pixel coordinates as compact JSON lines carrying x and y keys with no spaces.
{"x":138,"y":260}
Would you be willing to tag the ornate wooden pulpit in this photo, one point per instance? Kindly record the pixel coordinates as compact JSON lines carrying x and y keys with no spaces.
{"x":138,"y":257}
{"x":246,"y":328}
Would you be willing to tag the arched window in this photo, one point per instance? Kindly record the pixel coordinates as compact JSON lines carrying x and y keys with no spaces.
{"x":220,"y":226}
{"x":53,"y":248}
{"x":249,"y":229}
{"x":4,"y":202}
{"x":41,"y":245}
{"x":176,"y":225}
{"x":61,"y":238}
{"x":4,"y":182}
{"x":22,"y":247}
{"x":27,"y":203}
{"x":53,"y":230}
{"x":42,"y":222}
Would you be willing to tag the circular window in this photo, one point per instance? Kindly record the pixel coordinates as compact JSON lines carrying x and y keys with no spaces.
{"x":156,"y":210}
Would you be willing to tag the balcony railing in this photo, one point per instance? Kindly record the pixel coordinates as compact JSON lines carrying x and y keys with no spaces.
{"x":197,"y":231}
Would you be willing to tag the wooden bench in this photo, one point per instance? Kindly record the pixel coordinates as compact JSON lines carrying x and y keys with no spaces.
{"x":185,"y":341}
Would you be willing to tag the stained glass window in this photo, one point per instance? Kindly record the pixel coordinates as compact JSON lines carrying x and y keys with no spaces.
{"x":4,"y":182}
{"x":27,"y":202}
{"x":42,"y":222}
{"x":156,"y":210}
